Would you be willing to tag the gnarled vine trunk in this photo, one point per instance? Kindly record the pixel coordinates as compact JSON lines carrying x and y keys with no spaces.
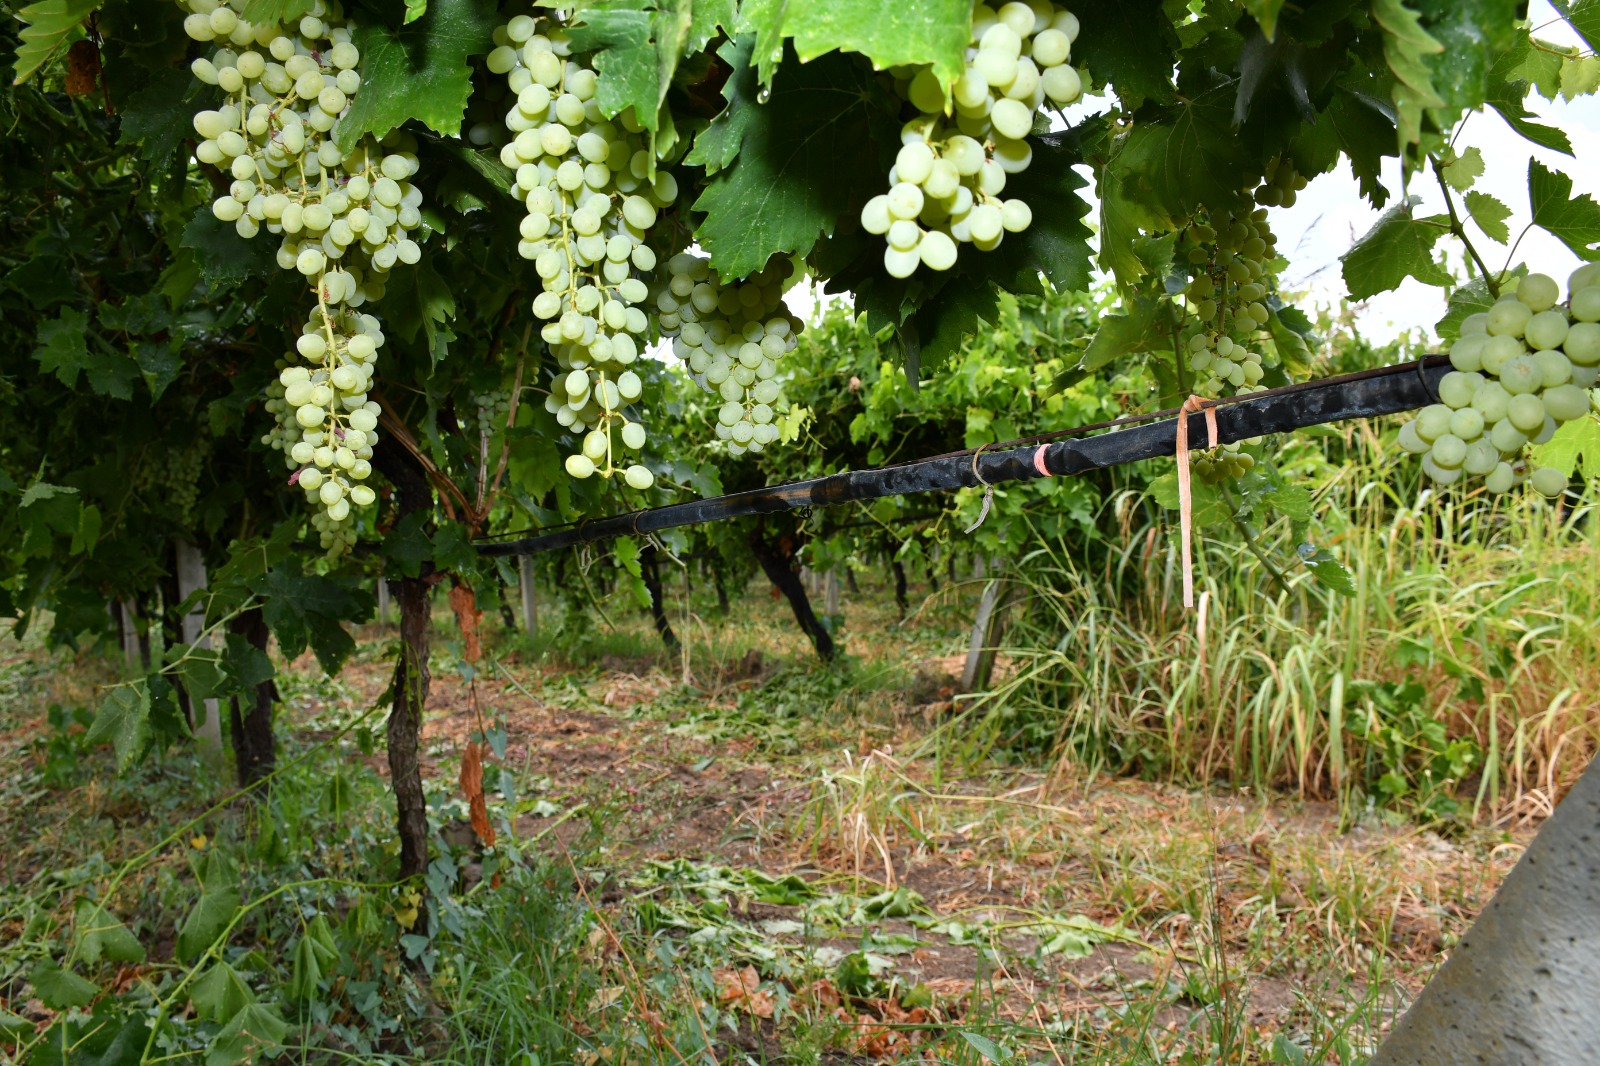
{"x":778,"y":565}
{"x":411,"y":678}
{"x":650,"y":567}
{"x":254,"y":751}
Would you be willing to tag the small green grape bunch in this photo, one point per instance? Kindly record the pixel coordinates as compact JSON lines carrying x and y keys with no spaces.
{"x":1223,"y":463}
{"x":1521,"y":369}
{"x":946,"y":183}
{"x":597,"y":404}
{"x":1219,"y":361}
{"x":733,"y":337}
{"x":489,"y":410}
{"x":1281,"y":184}
{"x":172,"y":476}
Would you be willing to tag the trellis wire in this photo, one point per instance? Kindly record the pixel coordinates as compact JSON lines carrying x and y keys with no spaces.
{"x":1387,"y":390}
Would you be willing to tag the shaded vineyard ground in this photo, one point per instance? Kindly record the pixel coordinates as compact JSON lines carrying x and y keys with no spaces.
{"x":801,"y":859}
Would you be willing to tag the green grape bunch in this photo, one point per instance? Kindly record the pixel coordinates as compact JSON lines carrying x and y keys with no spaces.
{"x":1224,"y":463}
{"x":343,"y":219}
{"x":592,"y":193}
{"x":1229,"y":253}
{"x":733,"y":337}
{"x":946,"y":185}
{"x":171,"y":476}
{"x":1521,"y":369}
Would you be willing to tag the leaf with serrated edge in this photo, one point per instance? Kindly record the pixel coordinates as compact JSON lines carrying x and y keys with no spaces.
{"x":1575,"y":441}
{"x":621,"y":37}
{"x":816,"y":149}
{"x":1464,"y":169}
{"x":930,"y":32}
{"x":1574,"y":220}
{"x":1405,"y":43}
{"x":1490,"y":215}
{"x":49,"y":26}
{"x":419,"y":72}
{"x":124,"y":720}
{"x":1397,"y":247}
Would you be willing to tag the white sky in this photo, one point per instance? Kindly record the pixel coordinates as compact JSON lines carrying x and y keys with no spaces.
{"x":1330,"y":214}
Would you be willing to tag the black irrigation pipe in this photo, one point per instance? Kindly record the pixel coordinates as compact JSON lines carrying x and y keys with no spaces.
{"x":1384,"y":391}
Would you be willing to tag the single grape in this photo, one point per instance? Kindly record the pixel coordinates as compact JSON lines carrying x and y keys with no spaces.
{"x":1538,"y":292}
{"x":1526,"y":412}
{"x":1548,"y":481}
{"x":1500,"y":479}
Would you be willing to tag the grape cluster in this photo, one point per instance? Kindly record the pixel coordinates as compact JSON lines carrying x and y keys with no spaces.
{"x":946,"y":181}
{"x":732,"y":337}
{"x":1228,"y":253}
{"x":592,"y":195}
{"x":173,"y":478}
{"x":489,"y":411}
{"x":344,"y":219}
{"x":1223,"y":463}
{"x":1521,"y":369}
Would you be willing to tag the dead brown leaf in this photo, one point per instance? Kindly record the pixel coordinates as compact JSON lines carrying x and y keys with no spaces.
{"x":472,"y":788}
{"x":741,"y":990}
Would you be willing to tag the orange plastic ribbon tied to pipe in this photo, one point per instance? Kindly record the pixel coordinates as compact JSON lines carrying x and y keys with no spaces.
{"x":1185,"y":492}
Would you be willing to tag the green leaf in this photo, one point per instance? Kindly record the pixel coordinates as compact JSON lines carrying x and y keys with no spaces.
{"x":124,"y":720}
{"x":1183,"y":156}
{"x":1507,"y":97}
{"x":620,"y":33}
{"x":1575,"y":221}
{"x":1405,"y":44}
{"x":1579,"y":77}
{"x":718,"y":144}
{"x":1291,"y":501}
{"x":984,"y":1046}
{"x":221,"y":993}
{"x":1472,"y":34}
{"x":818,"y":148}
{"x":309,"y":609}
{"x":931,"y":32}
{"x":50,"y":24}
{"x":1584,"y":18}
{"x":255,"y":1032}
{"x":1129,"y":45}
{"x":1293,"y":351}
{"x":1490,"y":215}
{"x":1396,"y":248}
{"x":62,"y":349}
{"x":107,"y":1037}
{"x":1464,"y":169}
{"x":199,"y":670}
{"x":160,"y":116}
{"x":60,"y":989}
{"x":1326,"y":568}
{"x":1575,"y":446}
{"x":100,"y":935}
{"x":425,"y":304}
{"x":211,"y":915}
{"x":1468,"y":299}
{"x":1365,"y":134}
{"x":1265,"y":12}
{"x":222,"y":255}
{"x":418,"y":72}
{"x":1140,"y":330}
{"x":276,"y":11}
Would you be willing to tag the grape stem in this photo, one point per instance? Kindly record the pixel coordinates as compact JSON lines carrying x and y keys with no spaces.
{"x":1250,"y":540}
{"x":1458,"y":230}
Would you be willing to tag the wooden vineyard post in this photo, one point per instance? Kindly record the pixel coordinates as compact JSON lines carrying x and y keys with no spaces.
{"x":650,"y":567}
{"x":530,"y":601}
{"x":830,"y":594}
{"x":986,"y":629}
{"x":383,"y":601}
{"x":192,"y":578}
{"x":128,"y":618}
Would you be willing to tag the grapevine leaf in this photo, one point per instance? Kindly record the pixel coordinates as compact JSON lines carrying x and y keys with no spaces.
{"x":276,"y":11}
{"x":1464,"y":169}
{"x":1405,"y":44}
{"x":1575,"y":446}
{"x":1580,"y":76}
{"x":718,"y":144}
{"x":419,"y":71}
{"x":60,"y":989}
{"x":50,"y":25}
{"x":415,"y":9}
{"x":307,"y":609}
{"x":102,"y":936}
{"x":1365,"y":134}
{"x":1265,"y":12}
{"x":255,"y":1031}
{"x":222,"y":255}
{"x":63,"y":350}
{"x":1184,"y":156}
{"x":1470,"y":33}
{"x":1207,"y":506}
{"x":619,"y":33}
{"x":159,"y":363}
{"x":1584,"y":18}
{"x":1397,"y":247}
{"x":1490,"y":215}
{"x":1128,"y":44}
{"x":1140,"y":330}
{"x":211,"y":915}
{"x":159,"y":116}
{"x":426,"y":305}
{"x":1326,"y":568}
{"x":1575,"y":221}
{"x":819,"y":147}
{"x":933,"y":32}
{"x":221,"y":994}
{"x":1293,"y":352}
{"x":1507,"y":98}
{"x":124,"y":720}
{"x":1537,"y":65}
